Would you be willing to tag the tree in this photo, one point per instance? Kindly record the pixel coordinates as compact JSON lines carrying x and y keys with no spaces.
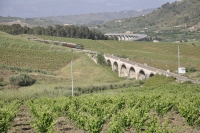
{"x":166,"y":5}
{"x":49,"y":31}
{"x":26,"y":30}
{"x":73,"y":31}
{"x":16,"y":29}
{"x":101,"y":59}
{"x":59,"y":30}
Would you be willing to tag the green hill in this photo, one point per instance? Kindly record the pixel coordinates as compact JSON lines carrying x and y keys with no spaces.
{"x":50,"y":63}
{"x":159,"y":55}
{"x":177,"y":18}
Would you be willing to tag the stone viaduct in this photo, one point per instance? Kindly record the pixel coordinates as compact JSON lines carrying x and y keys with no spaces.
{"x":133,"y":70}
{"x":127,"y":37}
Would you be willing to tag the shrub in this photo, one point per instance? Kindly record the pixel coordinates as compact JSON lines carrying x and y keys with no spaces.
{"x":190,"y":69}
{"x":1,"y":79}
{"x":101,"y":59}
{"x":21,"y":80}
{"x":2,"y":83}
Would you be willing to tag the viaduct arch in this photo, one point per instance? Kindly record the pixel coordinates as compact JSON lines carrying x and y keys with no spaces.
{"x":125,"y":68}
{"x":134,"y":70}
{"x":127,"y":37}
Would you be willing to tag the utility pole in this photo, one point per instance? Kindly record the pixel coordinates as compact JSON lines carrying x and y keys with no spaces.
{"x":178,"y":61}
{"x":72,"y":80}
{"x":178,"y":57}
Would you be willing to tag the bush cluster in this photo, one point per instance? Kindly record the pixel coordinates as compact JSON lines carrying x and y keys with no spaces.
{"x":27,"y":70}
{"x":58,"y":30}
{"x":90,"y":89}
{"x":21,"y":80}
{"x":190,"y":69}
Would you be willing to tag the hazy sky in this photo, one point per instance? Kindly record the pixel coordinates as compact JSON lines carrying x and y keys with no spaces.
{"x":39,"y":8}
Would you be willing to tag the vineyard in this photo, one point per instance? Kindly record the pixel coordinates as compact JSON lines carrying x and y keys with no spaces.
{"x":161,"y":109}
{"x":15,"y":51}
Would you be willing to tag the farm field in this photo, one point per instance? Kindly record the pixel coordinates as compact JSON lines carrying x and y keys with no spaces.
{"x":103,"y":102}
{"x":50,"y":66}
{"x":163,"y":109}
{"x":22,"y":53}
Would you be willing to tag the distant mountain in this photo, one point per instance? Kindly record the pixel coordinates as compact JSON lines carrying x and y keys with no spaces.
{"x":89,"y":19}
{"x":183,"y":15}
{"x":30,"y":22}
{"x":43,"y":8}
{"x":97,"y":18}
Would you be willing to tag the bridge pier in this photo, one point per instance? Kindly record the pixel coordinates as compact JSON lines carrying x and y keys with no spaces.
{"x":125,"y":68}
{"x":128,"y":37}
{"x":130,"y":69}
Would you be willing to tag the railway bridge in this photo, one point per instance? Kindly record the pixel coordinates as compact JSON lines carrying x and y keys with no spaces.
{"x":127,"y":37}
{"x":134,"y":70}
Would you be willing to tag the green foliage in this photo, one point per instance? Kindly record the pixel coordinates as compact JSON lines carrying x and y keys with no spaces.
{"x":8,"y":111}
{"x":44,"y":116}
{"x":21,"y":80}
{"x":92,"y":89}
{"x":130,"y":108}
{"x":59,"y":31}
{"x":144,"y":109}
{"x":190,"y":69}
{"x":101,"y":59}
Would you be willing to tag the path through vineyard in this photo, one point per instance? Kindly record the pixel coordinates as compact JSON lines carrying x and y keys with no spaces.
{"x":22,"y":121}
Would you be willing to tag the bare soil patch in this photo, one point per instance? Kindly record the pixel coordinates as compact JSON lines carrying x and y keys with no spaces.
{"x":63,"y":125}
{"x":5,"y":74}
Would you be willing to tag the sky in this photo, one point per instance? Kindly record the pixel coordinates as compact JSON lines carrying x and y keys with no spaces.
{"x":43,"y":8}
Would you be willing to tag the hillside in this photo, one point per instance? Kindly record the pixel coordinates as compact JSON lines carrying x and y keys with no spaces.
{"x":30,"y":22}
{"x":102,"y":101}
{"x":92,"y":18}
{"x":49,"y":63}
{"x":170,"y":18}
{"x":97,"y":18}
{"x":159,"y":55}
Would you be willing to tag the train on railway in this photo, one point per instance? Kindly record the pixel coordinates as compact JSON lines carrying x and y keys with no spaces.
{"x":72,"y":45}
{"x":65,"y":44}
